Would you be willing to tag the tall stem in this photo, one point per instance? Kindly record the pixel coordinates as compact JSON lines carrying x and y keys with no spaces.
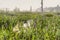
{"x":42,"y":6}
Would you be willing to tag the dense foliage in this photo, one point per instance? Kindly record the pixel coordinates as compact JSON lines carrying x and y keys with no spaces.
{"x":45,"y":27}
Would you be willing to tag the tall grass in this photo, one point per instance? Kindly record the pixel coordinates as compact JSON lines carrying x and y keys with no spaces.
{"x":46,"y":27}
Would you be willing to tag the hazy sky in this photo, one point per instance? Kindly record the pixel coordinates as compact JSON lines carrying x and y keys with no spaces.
{"x":25,"y":4}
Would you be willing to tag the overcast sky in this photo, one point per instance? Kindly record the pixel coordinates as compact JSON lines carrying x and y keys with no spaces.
{"x":25,"y":4}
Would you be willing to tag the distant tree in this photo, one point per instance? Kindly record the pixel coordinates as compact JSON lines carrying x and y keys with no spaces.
{"x":30,"y":8}
{"x":16,"y":10}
